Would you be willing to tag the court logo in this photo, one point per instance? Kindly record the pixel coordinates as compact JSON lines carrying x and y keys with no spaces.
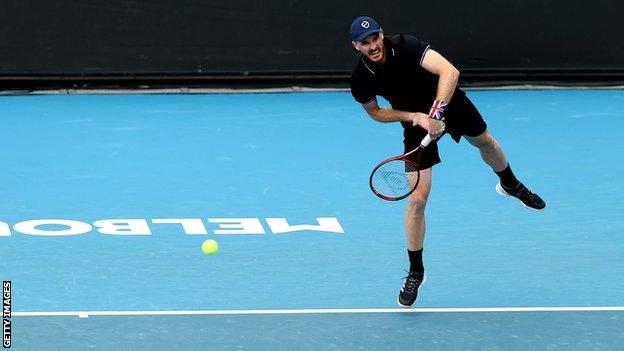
{"x":6,"y":314}
{"x":365,"y":24}
{"x":190,"y":226}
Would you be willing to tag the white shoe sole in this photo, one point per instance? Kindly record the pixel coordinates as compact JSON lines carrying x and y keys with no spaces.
{"x":501,"y":191}
{"x":417,"y":290}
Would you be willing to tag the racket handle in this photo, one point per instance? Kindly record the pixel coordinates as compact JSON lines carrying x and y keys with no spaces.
{"x":426,"y":140}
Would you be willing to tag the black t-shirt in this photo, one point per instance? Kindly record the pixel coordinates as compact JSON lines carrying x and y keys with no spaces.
{"x":401,"y":80}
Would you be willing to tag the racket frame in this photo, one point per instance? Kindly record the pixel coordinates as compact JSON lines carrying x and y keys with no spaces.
{"x":426,"y":140}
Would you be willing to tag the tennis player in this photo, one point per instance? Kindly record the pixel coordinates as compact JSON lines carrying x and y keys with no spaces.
{"x":421,"y":86}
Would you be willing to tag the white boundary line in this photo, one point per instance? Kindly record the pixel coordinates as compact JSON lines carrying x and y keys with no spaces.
{"x":86,"y":314}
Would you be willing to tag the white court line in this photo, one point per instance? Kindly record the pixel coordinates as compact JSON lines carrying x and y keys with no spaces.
{"x":85,"y":314}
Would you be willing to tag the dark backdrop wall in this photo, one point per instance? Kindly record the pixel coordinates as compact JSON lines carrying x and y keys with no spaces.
{"x":288,"y":37}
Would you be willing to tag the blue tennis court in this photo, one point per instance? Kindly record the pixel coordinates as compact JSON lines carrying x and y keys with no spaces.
{"x":106,"y":200}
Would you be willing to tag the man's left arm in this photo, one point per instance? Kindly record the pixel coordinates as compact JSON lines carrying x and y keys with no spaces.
{"x":448,"y":74}
{"x":447,"y":81}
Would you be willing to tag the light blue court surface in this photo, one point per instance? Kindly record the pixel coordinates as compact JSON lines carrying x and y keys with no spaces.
{"x":303,"y":156}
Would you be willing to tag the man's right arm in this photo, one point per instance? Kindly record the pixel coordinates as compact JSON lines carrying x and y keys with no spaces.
{"x":391,"y":115}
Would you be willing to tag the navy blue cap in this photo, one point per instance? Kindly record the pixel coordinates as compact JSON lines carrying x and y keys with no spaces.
{"x":362,"y":27}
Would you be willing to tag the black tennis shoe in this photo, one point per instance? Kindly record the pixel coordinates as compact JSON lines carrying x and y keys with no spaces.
{"x":409,"y":292}
{"x":526,"y":197}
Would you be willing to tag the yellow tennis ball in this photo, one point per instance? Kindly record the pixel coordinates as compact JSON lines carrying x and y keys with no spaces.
{"x":210,"y":247}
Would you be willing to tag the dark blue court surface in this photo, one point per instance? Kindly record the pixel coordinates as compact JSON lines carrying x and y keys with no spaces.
{"x":244,"y":169}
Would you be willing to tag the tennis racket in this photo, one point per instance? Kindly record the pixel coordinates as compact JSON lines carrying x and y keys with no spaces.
{"x":397,"y":177}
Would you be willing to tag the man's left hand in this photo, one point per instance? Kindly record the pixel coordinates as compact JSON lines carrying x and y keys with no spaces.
{"x":436,"y":128}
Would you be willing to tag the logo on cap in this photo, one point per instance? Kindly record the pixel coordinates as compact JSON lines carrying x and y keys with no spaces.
{"x":362,"y":27}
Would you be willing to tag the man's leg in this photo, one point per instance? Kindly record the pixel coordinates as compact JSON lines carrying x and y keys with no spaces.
{"x":414,"y":221}
{"x":492,"y":153}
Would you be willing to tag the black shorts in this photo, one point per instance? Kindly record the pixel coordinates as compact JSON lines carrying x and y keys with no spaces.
{"x":461,"y":118}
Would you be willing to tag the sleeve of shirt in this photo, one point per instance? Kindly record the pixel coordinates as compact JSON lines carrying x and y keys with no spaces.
{"x":361,"y":90}
{"x":413,"y":48}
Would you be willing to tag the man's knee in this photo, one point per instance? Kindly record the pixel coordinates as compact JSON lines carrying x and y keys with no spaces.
{"x":416,"y":205}
{"x":484,"y":141}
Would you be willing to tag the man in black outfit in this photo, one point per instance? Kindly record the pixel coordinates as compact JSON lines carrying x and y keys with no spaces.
{"x":421,"y":86}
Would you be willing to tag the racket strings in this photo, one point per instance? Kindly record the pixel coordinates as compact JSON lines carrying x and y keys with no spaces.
{"x":395,"y":178}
